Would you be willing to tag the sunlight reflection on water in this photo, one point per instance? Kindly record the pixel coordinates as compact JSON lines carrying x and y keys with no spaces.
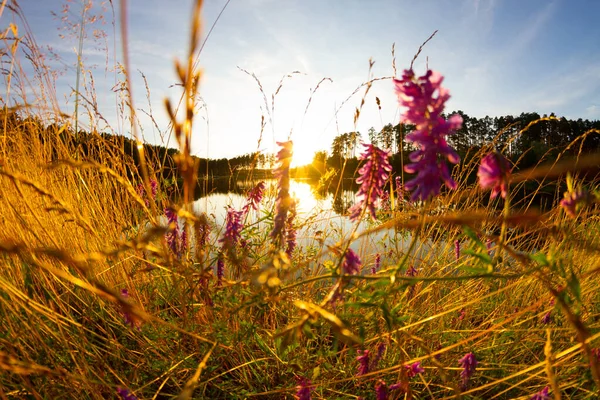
{"x":317,"y":221}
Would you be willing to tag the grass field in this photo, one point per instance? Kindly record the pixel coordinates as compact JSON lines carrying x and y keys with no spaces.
{"x":109,"y":288}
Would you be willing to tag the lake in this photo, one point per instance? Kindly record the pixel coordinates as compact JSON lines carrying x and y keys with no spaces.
{"x":321,"y":218}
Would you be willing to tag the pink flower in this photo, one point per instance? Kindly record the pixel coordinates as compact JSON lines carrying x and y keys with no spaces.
{"x":254,"y":198}
{"x":541,"y":395}
{"x":468,"y":364}
{"x":352,"y":263}
{"x":372,"y":177}
{"x":414,"y":369}
{"x":363,"y":360}
{"x":303,"y":389}
{"x":575,"y":201}
{"x":425,"y":100}
{"x":493,"y":173}
{"x":233,"y":228}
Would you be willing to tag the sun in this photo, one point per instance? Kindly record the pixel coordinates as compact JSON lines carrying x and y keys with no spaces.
{"x":303,"y":153}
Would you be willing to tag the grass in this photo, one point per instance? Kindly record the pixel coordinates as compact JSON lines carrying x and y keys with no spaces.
{"x":76,"y":231}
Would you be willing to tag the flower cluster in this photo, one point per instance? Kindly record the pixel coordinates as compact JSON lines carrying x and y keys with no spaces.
{"x":399,"y":188}
{"x":425,"y":100}
{"x":153,"y":187}
{"x":414,"y":369}
{"x":363,"y":362}
{"x":494,"y":173}
{"x":457,"y":249}
{"x":284,"y":201}
{"x":372,"y":177}
{"x":172,"y":236}
{"x":125,"y":394}
{"x":375,"y":267}
{"x":233,"y":228}
{"x":575,"y":200}
{"x":303,"y":389}
{"x":541,"y":395}
{"x":255,"y":196}
{"x":352,"y":263}
{"x":468,"y":364}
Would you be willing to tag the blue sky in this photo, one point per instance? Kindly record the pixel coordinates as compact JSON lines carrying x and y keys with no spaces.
{"x":498,"y":57}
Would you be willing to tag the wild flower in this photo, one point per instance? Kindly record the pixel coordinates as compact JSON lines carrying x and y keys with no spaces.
{"x":488,"y":245}
{"x":377,"y":264}
{"x":153,"y":187}
{"x":381,"y":390}
{"x":172,"y":236}
{"x":575,"y":200}
{"x":547,"y":318}
{"x":363,"y":362}
{"x":541,"y":395}
{"x":233,"y":228}
{"x":352,"y":263}
{"x":494,"y":173}
{"x":385,"y":201}
{"x":399,"y":188}
{"x":412,"y":271}
{"x":378,"y":356}
{"x":128,"y":318}
{"x":220,"y":270}
{"x":254,"y":198}
{"x":468,"y":364}
{"x":183,"y":240}
{"x":425,"y":98}
{"x":457,"y":249}
{"x":125,"y":394}
{"x":414,"y":369}
{"x":372,"y":177}
{"x":303,"y":389}
{"x":290,"y":230}
{"x":283,"y":201}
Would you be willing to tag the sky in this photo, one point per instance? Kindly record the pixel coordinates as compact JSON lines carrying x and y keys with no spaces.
{"x":498,"y":57}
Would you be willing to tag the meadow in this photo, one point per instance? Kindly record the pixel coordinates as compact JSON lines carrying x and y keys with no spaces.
{"x":111,"y":286}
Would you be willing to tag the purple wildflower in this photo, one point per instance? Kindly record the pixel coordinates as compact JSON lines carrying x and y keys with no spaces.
{"x":125,"y":394}
{"x":399,"y":188}
{"x":457,"y":249}
{"x":233,"y":228}
{"x":414,"y":369}
{"x":154,"y":187}
{"x":468,"y":364}
{"x":424,"y":109}
{"x":547,"y":318}
{"x":220,"y":270}
{"x":385,"y":201}
{"x":375,"y":267}
{"x":541,"y":395}
{"x":283,"y":202}
{"x":254,"y":198}
{"x":399,"y":386}
{"x":303,"y":389}
{"x":352,"y":263}
{"x":488,"y":245}
{"x":380,"y":350}
{"x":363,"y":360}
{"x":172,"y":236}
{"x":575,"y":201}
{"x":493,"y":173}
{"x":290,"y":230}
{"x":381,"y":390}
{"x":373,"y":175}
{"x":183,"y":240}
{"x":412,"y":271}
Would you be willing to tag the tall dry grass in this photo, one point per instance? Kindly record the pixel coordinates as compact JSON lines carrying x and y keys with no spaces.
{"x":76,"y":231}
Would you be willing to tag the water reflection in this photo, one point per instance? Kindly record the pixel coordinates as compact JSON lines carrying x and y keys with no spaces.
{"x":321,"y":215}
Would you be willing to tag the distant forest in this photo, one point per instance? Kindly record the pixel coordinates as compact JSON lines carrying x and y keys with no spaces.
{"x":544,"y":139}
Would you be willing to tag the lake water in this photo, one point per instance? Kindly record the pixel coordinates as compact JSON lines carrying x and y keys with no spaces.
{"x":321,"y":216}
